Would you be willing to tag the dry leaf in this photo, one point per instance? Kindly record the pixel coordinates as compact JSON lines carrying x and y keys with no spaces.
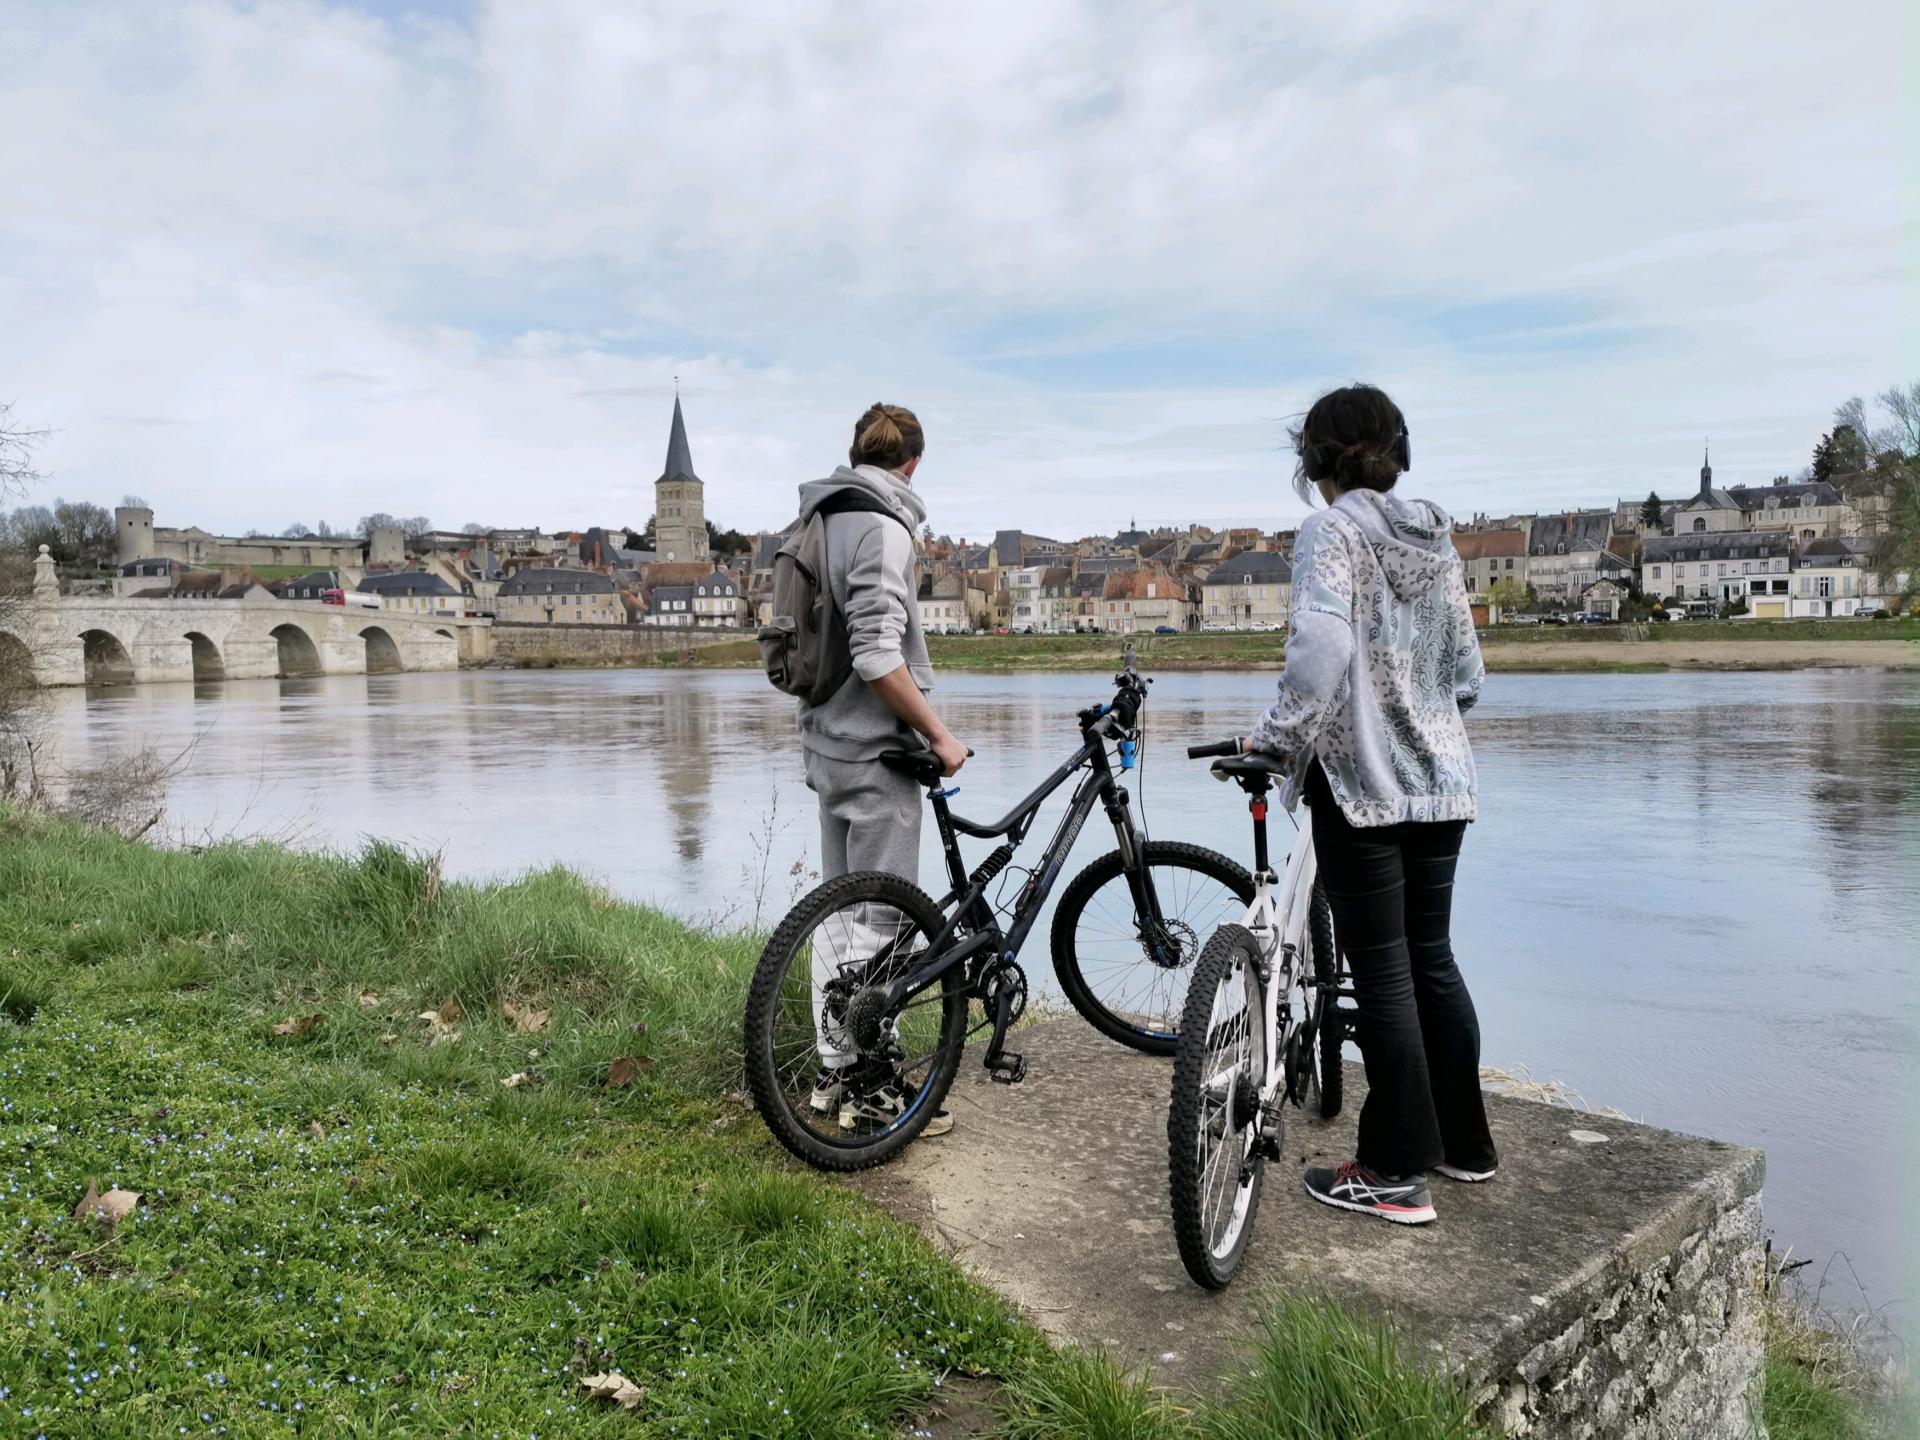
{"x":299,"y":1024}
{"x":110,"y":1208}
{"x":440,"y":1023}
{"x":388,"y":1039}
{"x":615,"y":1387}
{"x":623,"y":1070}
{"x":319,"y":1130}
{"x":368,"y":999}
{"x":526,"y":1020}
{"x":517,"y":1079}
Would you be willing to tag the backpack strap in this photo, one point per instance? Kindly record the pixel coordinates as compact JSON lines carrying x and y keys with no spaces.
{"x":849,"y":502}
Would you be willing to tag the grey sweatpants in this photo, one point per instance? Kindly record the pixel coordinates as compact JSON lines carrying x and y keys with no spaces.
{"x":869,"y":820}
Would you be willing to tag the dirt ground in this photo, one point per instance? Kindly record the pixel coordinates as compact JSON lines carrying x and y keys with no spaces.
{"x":1680,"y":654}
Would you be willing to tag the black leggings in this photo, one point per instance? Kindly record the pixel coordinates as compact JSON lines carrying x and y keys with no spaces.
{"x":1391,"y":887}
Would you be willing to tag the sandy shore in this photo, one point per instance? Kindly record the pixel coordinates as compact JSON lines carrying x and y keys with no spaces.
{"x":1578,"y":655}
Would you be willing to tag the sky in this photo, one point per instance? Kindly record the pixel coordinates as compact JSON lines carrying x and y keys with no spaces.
{"x":276,"y":262}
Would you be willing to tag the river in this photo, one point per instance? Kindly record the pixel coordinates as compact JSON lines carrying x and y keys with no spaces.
{"x":1692,"y":897}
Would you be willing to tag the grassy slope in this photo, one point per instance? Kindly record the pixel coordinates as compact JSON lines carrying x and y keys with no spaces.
{"x":363,"y":1232}
{"x":1506,"y":648}
{"x":367,"y":1233}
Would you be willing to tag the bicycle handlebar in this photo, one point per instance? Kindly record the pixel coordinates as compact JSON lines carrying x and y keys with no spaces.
{"x":1217,"y":748}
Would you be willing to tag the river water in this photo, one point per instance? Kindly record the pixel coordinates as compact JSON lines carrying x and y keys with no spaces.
{"x":1692,"y":897}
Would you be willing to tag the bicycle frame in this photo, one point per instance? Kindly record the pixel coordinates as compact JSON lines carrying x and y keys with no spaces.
{"x":967,"y":897}
{"x":1279,"y":909}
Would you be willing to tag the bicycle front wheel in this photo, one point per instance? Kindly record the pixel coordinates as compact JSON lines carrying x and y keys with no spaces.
{"x":1126,"y":976}
{"x":842,"y":1082}
{"x":1214,"y":1161}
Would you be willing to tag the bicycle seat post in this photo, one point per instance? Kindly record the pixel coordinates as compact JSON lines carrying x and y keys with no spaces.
{"x":1257,"y":807}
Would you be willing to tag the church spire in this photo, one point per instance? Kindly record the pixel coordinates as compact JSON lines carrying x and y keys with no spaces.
{"x":679,"y":453}
{"x":1706,"y":469}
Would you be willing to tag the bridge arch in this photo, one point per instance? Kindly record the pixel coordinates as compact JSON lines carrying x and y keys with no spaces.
{"x":298,"y":654}
{"x":207,"y":664}
{"x":106,"y":658}
{"x":383,"y":655}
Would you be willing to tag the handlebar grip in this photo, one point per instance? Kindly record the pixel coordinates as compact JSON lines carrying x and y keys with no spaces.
{"x":1218,"y":747}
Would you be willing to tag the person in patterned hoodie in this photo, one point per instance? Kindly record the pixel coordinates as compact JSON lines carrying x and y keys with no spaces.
{"x":1382,"y":663}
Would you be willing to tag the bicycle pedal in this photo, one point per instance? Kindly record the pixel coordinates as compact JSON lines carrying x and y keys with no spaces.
{"x":1008,"y":1070}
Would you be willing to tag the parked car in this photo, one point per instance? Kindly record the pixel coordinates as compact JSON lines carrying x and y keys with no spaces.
{"x":1556,"y":618}
{"x":1165,"y":630}
{"x":1869,"y":614}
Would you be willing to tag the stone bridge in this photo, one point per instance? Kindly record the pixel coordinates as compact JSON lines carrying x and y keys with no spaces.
{"x":78,"y":640}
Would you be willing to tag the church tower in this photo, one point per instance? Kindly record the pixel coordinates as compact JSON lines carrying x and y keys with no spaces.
{"x":1706,"y":472}
{"x":679,"y":502}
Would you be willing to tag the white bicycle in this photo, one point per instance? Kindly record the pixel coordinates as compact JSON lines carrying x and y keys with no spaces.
{"x":1262,"y":1029}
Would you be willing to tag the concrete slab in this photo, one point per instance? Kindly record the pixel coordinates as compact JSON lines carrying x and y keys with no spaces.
{"x":1055,"y":1193}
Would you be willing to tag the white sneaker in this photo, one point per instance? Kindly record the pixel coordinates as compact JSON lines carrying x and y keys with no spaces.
{"x":827,"y":1090}
{"x":1471,"y":1177}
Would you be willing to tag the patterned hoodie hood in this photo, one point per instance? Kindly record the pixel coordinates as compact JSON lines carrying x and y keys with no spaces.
{"x":1412,"y":539}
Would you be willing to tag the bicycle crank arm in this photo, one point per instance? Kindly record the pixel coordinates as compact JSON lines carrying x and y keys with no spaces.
{"x":1003,"y":1065}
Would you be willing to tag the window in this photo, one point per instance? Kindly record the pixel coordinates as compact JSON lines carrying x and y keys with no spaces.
{"x":1699,"y":524}
{"x":1779,"y":587}
{"x":1826,"y":586}
{"x":1509,"y":562}
{"x":1656,"y":572}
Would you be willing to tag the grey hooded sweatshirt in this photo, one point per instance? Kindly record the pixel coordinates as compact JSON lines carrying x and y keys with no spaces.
{"x":1382,"y":661}
{"x":874,"y":575}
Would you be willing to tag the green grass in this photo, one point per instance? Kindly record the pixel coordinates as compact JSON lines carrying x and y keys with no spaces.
{"x":1820,"y":1385}
{"x":353,"y":1230}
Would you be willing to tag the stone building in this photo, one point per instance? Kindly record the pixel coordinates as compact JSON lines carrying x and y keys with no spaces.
{"x":542,"y":596}
{"x":1142,"y":601}
{"x":718,"y":599}
{"x":1249,"y":591}
{"x":1707,"y":511}
{"x":1704,"y":571}
{"x":1567,"y":552}
{"x":140,"y":539}
{"x":1836,"y":577}
{"x":1810,"y":510}
{"x":679,"y":502}
{"x":1489,"y":556}
{"x":413,"y":592}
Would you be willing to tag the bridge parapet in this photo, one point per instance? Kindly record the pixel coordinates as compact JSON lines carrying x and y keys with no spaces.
{"x":81,"y":639}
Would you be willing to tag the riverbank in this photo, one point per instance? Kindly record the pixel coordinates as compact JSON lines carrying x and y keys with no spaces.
{"x":1598,"y":649}
{"x":395,"y":1154}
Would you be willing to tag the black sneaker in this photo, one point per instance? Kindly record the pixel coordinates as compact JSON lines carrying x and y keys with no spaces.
{"x":1354,"y":1187}
{"x":885,"y":1103}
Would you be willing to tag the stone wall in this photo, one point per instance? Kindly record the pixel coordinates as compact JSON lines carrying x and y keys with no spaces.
{"x":526,"y":646}
{"x":1669,"y":1348}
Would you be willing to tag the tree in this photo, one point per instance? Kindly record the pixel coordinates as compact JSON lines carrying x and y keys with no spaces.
{"x":134,"y":502}
{"x":1508,"y":595}
{"x":17,"y":444}
{"x":646,"y":538}
{"x":1878,"y":468}
{"x":297,"y":531}
{"x":474,"y":527}
{"x":415,"y":526}
{"x":1650,"y":511}
{"x":727,"y":542}
{"x":87,"y":533}
{"x":379,"y":520}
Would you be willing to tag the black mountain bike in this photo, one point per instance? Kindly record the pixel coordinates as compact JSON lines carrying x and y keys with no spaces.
{"x":872,"y":978}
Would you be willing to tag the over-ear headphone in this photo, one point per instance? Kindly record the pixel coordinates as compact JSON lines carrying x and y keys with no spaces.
{"x":1403,"y":448}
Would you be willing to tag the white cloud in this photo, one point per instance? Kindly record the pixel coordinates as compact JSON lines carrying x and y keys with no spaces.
{"x":353,"y":261}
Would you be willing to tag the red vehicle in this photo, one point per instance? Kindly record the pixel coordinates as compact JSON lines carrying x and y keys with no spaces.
{"x":333,"y":597}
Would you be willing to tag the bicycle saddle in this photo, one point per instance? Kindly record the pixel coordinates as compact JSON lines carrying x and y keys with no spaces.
{"x":922,"y":765}
{"x":1251,"y":770}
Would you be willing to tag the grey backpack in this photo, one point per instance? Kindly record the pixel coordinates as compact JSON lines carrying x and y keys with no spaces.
{"x":804,"y":645}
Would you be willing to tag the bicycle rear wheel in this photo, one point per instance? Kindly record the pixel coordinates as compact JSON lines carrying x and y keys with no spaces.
{"x":1127,"y":983}
{"x":813,"y":1008}
{"x":1214,"y":1167}
{"x":1330,"y":1029}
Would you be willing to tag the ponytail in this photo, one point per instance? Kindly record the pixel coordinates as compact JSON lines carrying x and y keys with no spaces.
{"x":888,"y":436}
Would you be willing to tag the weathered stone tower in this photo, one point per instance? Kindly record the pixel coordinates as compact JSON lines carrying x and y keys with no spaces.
{"x":135,"y":524}
{"x":679,"y":501}
{"x":387,"y":545}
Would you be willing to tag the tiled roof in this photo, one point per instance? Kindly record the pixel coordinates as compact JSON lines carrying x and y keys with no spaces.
{"x":1488,"y":544}
{"x":538,"y":580}
{"x":405,"y":582}
{"x":1251,"y":567}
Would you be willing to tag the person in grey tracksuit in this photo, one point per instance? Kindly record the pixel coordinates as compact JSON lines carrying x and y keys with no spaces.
{"x":870,"y":814}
